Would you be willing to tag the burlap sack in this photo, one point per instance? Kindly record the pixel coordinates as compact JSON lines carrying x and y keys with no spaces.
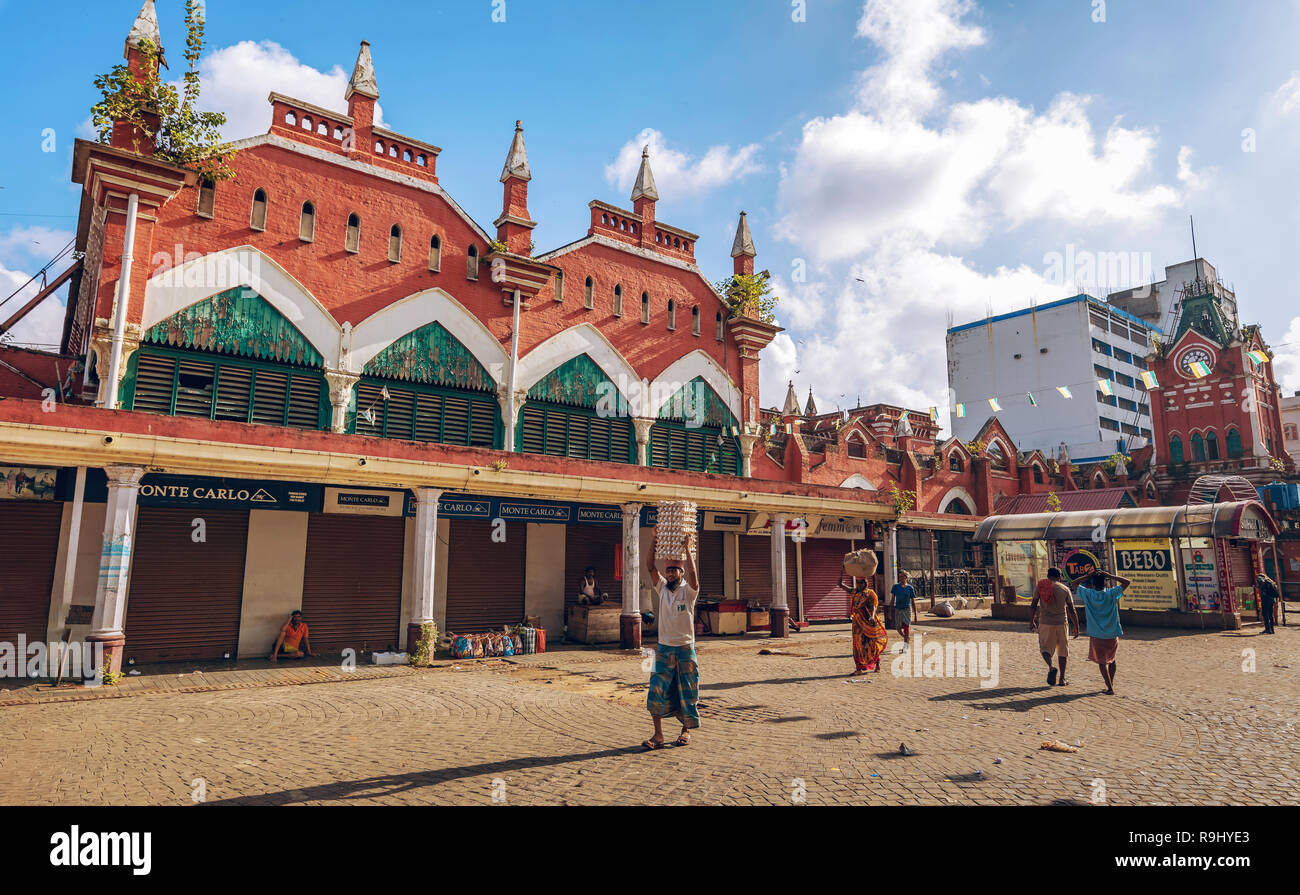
{"x":861,"y":563}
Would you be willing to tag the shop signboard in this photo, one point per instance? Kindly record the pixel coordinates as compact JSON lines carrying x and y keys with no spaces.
{"x":1148,"y":563}
{"x":27,"y":482}
{"x":164,"y":490}
{"x":458,"y":507}
{"x":845,"y":529}
{"x":715,"y":520}
{"x":1079,"y":563}
{"x":534,"y":511}
{"x":365,"y":502}
{"x":1200,"y":575}
{"x":1021,"y":564}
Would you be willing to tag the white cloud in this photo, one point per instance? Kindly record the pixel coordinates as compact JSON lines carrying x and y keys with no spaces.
{"x":1193,"y":180}
{"x":1286,"y":359}
{"x":901,"y":186}
{"x":43,"y":326}
{"x":26,"y":244}
{"x":914,"y":35}
{"x":1286,"y":99}
{"x":677,"y":173}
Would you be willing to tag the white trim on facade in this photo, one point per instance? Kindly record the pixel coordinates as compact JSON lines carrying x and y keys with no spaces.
{"x":957,"y":493}
{"x":699,"y":363}
{"x":565,"y":346}
{"x":387,"y":325}
{"x":857,"y":480}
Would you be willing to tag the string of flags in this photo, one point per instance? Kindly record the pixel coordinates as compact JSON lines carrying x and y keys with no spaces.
{"x":1258,"y":357}
{"x":1200,"y":369}
{"x":1104,"y":386}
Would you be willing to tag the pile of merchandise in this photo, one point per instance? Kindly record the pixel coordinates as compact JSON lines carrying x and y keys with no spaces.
{"x":512,"y":640}
{"x":675,"y":529}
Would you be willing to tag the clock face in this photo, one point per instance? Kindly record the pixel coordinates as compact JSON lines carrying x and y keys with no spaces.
{"x":1191,"y":356}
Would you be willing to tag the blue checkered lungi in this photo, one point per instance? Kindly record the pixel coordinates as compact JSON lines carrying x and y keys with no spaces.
{"x":675,"y":685}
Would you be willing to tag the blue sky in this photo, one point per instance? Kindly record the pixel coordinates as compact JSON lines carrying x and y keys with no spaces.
{"x":901,"y":160}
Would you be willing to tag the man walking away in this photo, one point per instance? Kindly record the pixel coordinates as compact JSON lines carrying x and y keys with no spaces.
{"x":1101,"y":609}
{"x":904,"y":596}
{"x":1052,"y":604}
{"x":675,"y":683}
{"x":1268,"y":597}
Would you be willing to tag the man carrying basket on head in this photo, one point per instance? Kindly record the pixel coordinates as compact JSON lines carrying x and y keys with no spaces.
{"x":869,"y":633}
{"x":675,"y":683}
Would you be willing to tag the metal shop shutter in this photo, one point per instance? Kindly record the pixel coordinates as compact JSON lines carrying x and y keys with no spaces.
{"x":710,"y":563}
{"x":185,"y":596}
{"x":1241,"y":565}
{"x":29,"y":532}
{"x":756,"y":572}
{"x":352,"y":584}
{"x":823,"y":565}
{"x":592,"y":545}
{"x":485,"y":579}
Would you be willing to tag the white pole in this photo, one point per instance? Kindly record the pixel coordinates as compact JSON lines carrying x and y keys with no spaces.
{"x":123,"y":296}
{"x":74,"y":536}
{"x":514,"y":370}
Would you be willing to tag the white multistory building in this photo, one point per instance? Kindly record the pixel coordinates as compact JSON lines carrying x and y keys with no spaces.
{"x":1291,"y":425}
{"x":1073,"y":343}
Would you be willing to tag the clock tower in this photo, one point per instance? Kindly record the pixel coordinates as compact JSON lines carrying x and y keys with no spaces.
{"x":1216,"y":407}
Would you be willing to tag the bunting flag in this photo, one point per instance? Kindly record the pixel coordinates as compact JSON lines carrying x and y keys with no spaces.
{"x":1103,"y":385}
{"x":1258,"y":357}
{"x":961,"y":410}
{"x":1030,"y":396}
{"x":1065,"y":391}
{"x":902,"y":419}
{"x":993,"y":402}
{"x":1149,"y":379}
{"x":789,"y":428}
{"x":934,"y":414}
{"x":1200,"y":369}
{"x":734,"y":433}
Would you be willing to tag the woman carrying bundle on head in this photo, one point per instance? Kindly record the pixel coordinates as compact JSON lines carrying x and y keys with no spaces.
{"x":869,"y":633}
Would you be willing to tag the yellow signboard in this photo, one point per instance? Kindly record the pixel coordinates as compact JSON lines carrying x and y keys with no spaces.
{"x":1149,"y":564}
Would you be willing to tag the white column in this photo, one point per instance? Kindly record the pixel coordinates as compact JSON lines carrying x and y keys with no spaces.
{"x":632,"y":559}
{"x":425,"y":572}
{"x":642,"y":426}
{"x":890,"y":572}
{"x":340,"y":385}
{"x":115,"y":560}
{"x":747,"y":443}
{"x":778,"y":562}
{"x":510,"y":414}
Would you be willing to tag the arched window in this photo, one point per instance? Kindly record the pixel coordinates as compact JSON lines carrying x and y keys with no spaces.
{"x":1038,"y":474}
{"x":857,"y":448}
{"x":435,"y":253}
{"x":323,"y":129}
{"x":352,"y":241}
{"x":471,"y":263}
{"x":958,"y":507}
{"x":1234,"y":444}
{"x":589,"y":294}
{"x":395,"y":244}
{"x":290,"y":118}
{"x":695,"y":320}
{"x":954,"y":462}
{"x":306,"y":122}
{"x":997,"y":455}
{"x":207,"y":199}
{"x":718,"y":331}
{"x":307,"y":223}
{"x":672,"y":314}
{"x":1198,"y":447}
{"x":1175,"y":450}
{"x":645,"y":307}
{"x":258,"y":219}
{"x":1212,"y":446}
{"x":618,"y":300}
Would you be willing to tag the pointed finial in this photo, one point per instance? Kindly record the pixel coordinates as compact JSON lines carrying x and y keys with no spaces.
{"x":517,"y":159}
{"x":645,"y":180}
{"x":744,"y":244}
{"x":791,"y":407}
{"x":145,"y":27}
{"x":363,"y":75}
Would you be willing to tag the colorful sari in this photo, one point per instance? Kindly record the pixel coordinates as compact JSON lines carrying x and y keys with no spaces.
{"x":869,"y":633}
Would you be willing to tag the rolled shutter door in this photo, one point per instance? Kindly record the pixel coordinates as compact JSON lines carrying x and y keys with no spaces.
{"x":756,"y":571}
{"x":185,"y":595}
{"x":709,"y":563}
{"x":1242,"y":566}
{"x":591,"y":545}
{"x":352,"y":584}
{"x":29,"y":532}
{"x":485,"y":579}
{"x":823,"y":565}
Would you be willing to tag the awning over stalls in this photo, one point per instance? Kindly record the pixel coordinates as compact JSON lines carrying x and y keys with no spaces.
{"x":1236,"y":519}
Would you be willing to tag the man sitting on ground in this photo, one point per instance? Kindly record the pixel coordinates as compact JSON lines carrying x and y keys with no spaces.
{"x":292,"y":634}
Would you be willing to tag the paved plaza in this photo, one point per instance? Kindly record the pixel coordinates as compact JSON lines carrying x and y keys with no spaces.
{"x":1188,"y":725}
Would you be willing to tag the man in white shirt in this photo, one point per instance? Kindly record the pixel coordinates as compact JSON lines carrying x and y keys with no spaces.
{"x":675,"y":683}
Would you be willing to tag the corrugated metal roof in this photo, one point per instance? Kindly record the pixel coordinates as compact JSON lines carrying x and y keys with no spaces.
{"x":1071,"y":501}
{"x":1236,"y":519}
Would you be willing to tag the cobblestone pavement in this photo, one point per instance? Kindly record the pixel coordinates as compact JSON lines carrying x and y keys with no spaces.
{"x":1189,"y":726}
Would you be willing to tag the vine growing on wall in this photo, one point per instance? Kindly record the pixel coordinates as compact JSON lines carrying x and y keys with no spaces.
{"x":903,"y":500}
{"x":183,"y":135}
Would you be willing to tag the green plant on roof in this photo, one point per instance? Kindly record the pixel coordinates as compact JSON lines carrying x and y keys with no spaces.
{"x":1053,"y":503}
{"x":749,"y":295}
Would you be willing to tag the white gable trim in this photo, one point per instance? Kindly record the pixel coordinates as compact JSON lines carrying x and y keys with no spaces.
{"x":177,"y":288}
{"x":697,"y":363}
{"x":957,"y":493}
{"x":387,"y":325}
{"x":566,"y":345}
{"x":858,"y":481}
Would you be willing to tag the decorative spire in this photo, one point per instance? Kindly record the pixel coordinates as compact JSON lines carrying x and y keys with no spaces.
{"x":744,"y":244}
{"x":791,"y":407}
{"x":811,"y":408}
{"x":517,"y":160}
{"x":363,"y":75}
{"x":645,"y":180}
{"x":903,"y":428}
{"x":145,"y":27}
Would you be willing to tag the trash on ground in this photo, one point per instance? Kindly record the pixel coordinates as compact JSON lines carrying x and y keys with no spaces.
{"x":1058,"y":746}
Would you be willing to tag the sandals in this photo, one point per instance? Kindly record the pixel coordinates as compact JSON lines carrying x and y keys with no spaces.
{"x":683,"y":740}
{"x":652,"y":744}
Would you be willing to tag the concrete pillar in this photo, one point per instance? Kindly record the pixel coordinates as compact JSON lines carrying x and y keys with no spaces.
{"x":425,"y":570}
{"x":780,"y":606}
{"x":109,"y":617}
{"x":630,"y":621}
{"x":340,"y":385}
{"x":890,"y":571}
{"x":510,"y":409}
{"x":747,"y":443}
{"x":642,"y":426}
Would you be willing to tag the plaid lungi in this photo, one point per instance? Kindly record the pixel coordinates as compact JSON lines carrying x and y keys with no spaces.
{"x":675,"y":685}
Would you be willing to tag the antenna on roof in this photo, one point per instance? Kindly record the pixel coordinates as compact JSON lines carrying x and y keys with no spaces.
{"x":1191,"y":220}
